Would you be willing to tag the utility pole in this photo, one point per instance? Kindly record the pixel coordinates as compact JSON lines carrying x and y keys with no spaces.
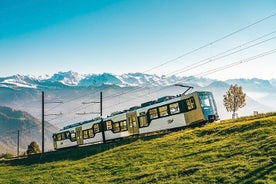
{"x":101,"y":114}
{"x":42,"y":122}
{"x":17,"y":143}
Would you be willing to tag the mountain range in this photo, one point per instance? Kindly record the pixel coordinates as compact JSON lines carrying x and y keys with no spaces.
{"x":70,"y":79}
{"x":120,"y":92}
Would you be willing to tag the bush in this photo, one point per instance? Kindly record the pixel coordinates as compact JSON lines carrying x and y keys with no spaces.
{"x":7,"y":155}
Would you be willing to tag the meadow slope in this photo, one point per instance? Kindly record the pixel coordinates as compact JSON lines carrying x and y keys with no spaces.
{"x":239,"y":151}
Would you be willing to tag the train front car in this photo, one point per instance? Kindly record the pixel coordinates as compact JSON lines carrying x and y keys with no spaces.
{"x":208,"y":106}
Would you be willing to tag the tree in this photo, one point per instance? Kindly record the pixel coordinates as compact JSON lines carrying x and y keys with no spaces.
{"x":33,"y":148}
{"x":7,"y":155}
{"x":234,"y":99}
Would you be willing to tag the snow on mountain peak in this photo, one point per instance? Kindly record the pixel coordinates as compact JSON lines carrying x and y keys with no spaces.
{"x":70,"y":78}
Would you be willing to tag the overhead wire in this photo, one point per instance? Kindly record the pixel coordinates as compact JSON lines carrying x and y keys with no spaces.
{"x":213,"y":42}
{"x":238,"y":62}
{"x":214,"y":58}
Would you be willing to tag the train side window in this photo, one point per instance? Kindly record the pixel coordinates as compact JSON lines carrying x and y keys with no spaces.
{"x":90,"y":133}
{"x":190,"y":103}
{"x":85,"y":134}
{"x":123,"y":125}
{"x":116,"y":127}
{"x":58,"y":137}
{"x":143,"y":121}
{"x":129,"y":120}
{"x":174,"y":108}
{"x":67,"y":134}
{"x":63,"y":136}
{"x":153,"y":113}
{"x":73,"y":136}
{"x":55,"y":137}
{"x":163,"y":111}
{"x":96,"y":128}
{"x":108,"y":125}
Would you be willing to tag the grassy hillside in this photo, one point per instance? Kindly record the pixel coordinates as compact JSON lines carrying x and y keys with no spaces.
{"x":240,"y":151}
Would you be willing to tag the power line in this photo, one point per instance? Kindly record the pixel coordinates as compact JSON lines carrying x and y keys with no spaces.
{"x":213,"y":58}
{"x":238,"y":62}
{"x":211,"y":43}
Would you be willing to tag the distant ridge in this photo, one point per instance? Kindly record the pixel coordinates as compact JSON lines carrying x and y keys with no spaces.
{"x":29,"y":127}
{"x":74,"y":79}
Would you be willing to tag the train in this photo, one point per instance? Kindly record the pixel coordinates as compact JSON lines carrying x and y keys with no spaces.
{"x":165,"y":113}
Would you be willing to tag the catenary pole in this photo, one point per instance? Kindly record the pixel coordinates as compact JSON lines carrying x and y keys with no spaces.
{"x":42,"y":122}
{"x":101,"y":115}
{"x":17,"y":143}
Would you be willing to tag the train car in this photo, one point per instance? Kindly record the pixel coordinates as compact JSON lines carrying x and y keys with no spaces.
{"x":165,"y":113}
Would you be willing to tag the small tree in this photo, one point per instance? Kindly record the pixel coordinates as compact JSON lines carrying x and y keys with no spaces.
{"x":234,"y":99}
{"x":33,"y":148}
{"x":7,"y":155}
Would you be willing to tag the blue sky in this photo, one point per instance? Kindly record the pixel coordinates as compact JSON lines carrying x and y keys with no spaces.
{"x":39,"y":37}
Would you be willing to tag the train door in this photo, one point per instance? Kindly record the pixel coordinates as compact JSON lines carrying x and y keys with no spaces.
{"x":132,"y":122}
{"x":55,"y":144}
{"x":79,"y":135}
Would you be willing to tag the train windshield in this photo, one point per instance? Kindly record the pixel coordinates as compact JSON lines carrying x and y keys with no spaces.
{"x":208,"y":105}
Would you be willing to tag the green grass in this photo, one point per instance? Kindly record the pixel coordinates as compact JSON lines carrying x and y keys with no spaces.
{"x":234,"y":151}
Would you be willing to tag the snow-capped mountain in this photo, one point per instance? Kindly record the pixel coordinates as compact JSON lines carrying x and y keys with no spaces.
{"x":19,"y":81}
{"x":67,"y":79}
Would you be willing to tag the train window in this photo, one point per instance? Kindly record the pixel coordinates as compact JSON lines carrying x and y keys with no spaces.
{"x":96,"y":128}
{"x":54,"y":137}
{"x":85,"y":134}
{"x":58,"y":137}
{"x":116,"y":127}
{"x":63,"y":136}
{"x":190,"y":103}
{"x":153,"y":113}
{"x":129,"y":120}
{"x":123,"y":125}
{"x":205,"y":102}
{"x":163,"y":111}
{"x":108,"y":125}
{"x":90,"y":133}
{"x":174,"y":108}
{"x":73,"y":137}
{"x":142,"y":113}
{"x":143,"y":121}
{"x":67,"y":134}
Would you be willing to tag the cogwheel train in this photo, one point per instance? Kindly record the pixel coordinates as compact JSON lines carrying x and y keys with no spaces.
{"x":169,"y":112}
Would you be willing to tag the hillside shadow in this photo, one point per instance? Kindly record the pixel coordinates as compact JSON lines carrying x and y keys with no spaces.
{"x":77,"y":153}
{"x":258,"y":173}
